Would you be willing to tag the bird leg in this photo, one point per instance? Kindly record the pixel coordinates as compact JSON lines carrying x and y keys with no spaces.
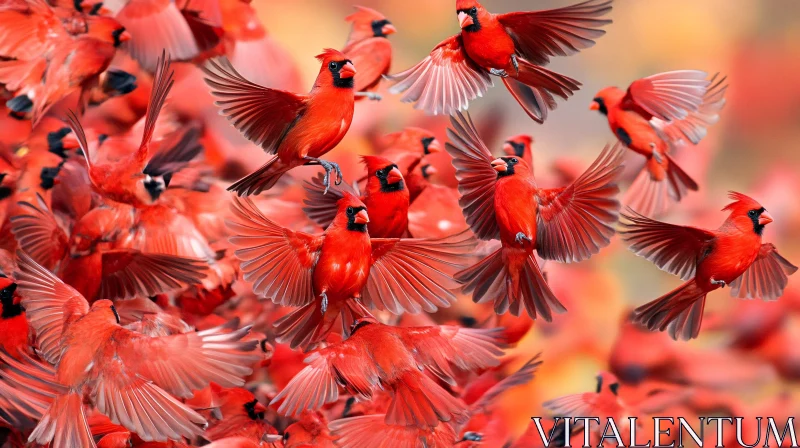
{"x":498,"y":72}
{"x":328,"y":167}
{"x":520,"y":237}
{"x":370,"y":95}
{"x":718,"y":282}
{"x":656,"y":154}
{"x":515,"y":63}
{"x":324,"y":302}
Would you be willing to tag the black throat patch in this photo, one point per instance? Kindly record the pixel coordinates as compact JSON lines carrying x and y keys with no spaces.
{"x":377,"y":27}
{"x":351,"y":220}
{"x":754,"y":216}
{"x":10,"y":309}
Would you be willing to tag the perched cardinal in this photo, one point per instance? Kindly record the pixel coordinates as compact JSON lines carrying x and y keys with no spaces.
{"x":49,"y":53}
{"x":652,"y":117}
{"x":333,"y":273}
{"x":519,"y":146}
{"x":369,"y":49}
{"x":127,"y":376}
{"x":513,"y":46}
{"x":386,"y":197}
{"x":378,"y":356}
{"x":501,"y":200}
{"x":708,"y":260}
{"x":141,"y":175}
{"x":298,"y":129}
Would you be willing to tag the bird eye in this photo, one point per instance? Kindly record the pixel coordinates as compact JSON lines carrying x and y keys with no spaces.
{"x":514,"y":160}
{"x":349,"y":210}
{"x":333,"y":65}
{"x":474,"y":10}
{"x":285,"y":437}
{"x":752,"y":213}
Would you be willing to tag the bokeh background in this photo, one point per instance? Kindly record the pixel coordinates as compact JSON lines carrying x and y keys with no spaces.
{"x":748,"y":352}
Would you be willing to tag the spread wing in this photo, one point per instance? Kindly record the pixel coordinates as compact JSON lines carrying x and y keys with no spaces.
{"x":264,"y":116}
{"x":444,"y":82}
{"x":693,"y":128}
{"x":321,"y":207}
{"x":49,"y":303}
{"x":576,"y":221}
{"x":129,"y":273}
{"x":766,"y":278}
{"x":280,"y":262}
{"x":372,"y":58}
{"x":347,"y":363}
{"x":669,"y":95}
{"x":476,"y":177}
{"x":38,"y":233}
{"x":538,"y":35}
{"x":416,"y":275}
{"x":675,"y":249}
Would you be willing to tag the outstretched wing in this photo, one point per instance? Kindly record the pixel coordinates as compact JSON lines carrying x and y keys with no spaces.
{"x":129,"y":273}
{"x":675,"y":249}
{"x":416,"y":275}
{"x":264,"y":116}
{"x":669,"y":95}
{"x":476,"y":177}
{"x":576,"y":221}
{"x":279,"y":261}
{"x":38,"y":233}
{"x":50,"y":305}
{"x":538,"y":35}
{"x":766,"y":277}
{"x":444,"y":82}
{"x":694,"y":127}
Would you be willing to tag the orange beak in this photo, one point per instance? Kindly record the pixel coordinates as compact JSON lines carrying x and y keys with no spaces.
{"x":125,"y":36}
{"x":499,"y":165}
{"x":765,"y":218}
{"x":394,"y":176}
{"x":434,"y":146}
{"x":388,"y":29}
{"x":429,"y":170}
{"x":348,"y":71}
{"x":362,"y":217}
{"x":259,"y":407}
{"x":594,"y":105}
{"x":464,"y":20}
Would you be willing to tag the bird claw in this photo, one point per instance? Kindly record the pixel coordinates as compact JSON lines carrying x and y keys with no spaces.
{"x":520,"y":237}
{"x":328,"y":167}
{"x":498,"y":72}
{"x":719,"y":283}
{"x":515,"y":63}
{"x":324,"y":302}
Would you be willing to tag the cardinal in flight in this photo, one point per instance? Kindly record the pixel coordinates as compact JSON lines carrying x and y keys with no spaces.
{"x":653,"y":117}
{"x":513,"y":46}
{"x":369,"y":49}
{"x":129,"y":377}
{"x":297,"y":129}
{"x":732,"y":255}
{"x":501,"y":200}
{"x":378,"y":356}
{"x":333,"y":273}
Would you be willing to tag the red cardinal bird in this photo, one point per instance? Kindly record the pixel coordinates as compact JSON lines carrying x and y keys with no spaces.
{"x":14,"y":334}
{"x":298,"y":129}
{"x":653,"y":116}
{"x":310,"y":431}
{"x":708,"y":259}
{"x":369,"y":49}
{"x":140,"y":177}
{"x":392,"y":358}
{"x":49,"y":53}
{"x":125,"y":375}
{"x":326,"y":275}
{"x":386,"y":197}
{"x":513,"y":46}
{"x":239,"y":415}
{"x":519,"y":146}
{"x":501,"y":200}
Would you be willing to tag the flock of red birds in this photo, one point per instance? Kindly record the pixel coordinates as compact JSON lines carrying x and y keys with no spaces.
{"x":143,"y":305}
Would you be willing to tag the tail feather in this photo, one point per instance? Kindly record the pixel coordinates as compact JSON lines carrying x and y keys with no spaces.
{"x":64,"y":424}
{"x":262,"y":179}
{"x":492,"y":279}
{"x":534,"y":87}
{"x":680,"y":312}
{"x":307,"y":326}
{"x":658,"y":187}
{"x":419,"y":401}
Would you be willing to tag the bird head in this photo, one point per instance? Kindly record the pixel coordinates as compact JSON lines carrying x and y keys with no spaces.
{"x":148,"y":188}
{"x":106,"y":29}
{"x":746,"y":213}
{"x":8,"y":297}
{"x":369,"y":23}
{"x":106,"y":309}
{"x":385,"y":172}
{"x":608,"y":97}
{"x":509,"y":165}
{"x":428,"y":170}
{"x":352,"y":213}
{"x":607,"y":381}
{"x":518,"y":145}
{"x":411,"y":137}
{"x":470,"y":15}
{"x":311,"y":430}
{"x":336,"y":69}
